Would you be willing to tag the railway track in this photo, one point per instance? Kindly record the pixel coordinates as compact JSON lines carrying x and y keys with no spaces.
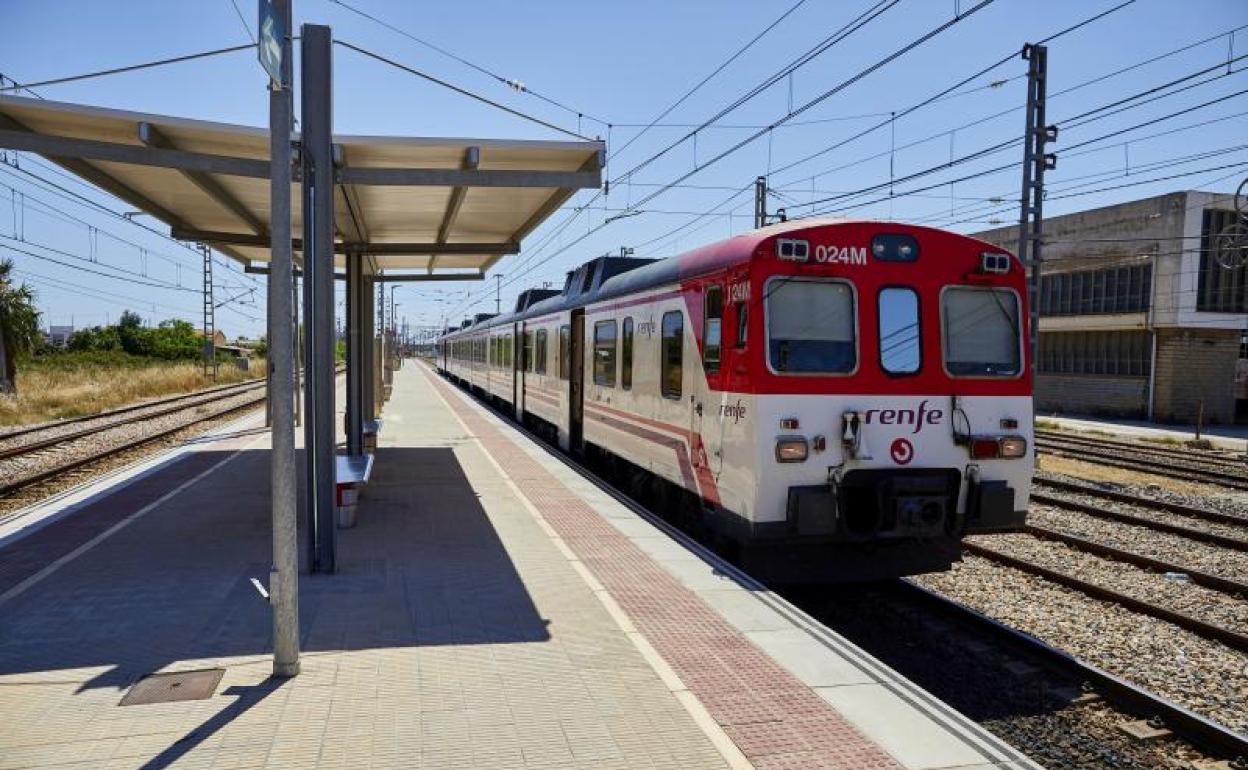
{"x":1191,"y":511}
{"x":1230,"y":475}
{"x":1212,"y":457}
{"x":108,"y":451}
{"x":1062,"y":708}
{"x":93,"y":424}
{"x":1233,"y":542}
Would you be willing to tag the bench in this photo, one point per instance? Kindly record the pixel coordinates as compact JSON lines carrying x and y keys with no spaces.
{"x":351,"y":474}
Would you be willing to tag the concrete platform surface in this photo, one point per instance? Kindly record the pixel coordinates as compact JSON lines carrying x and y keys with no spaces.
{"x":492,"y":610}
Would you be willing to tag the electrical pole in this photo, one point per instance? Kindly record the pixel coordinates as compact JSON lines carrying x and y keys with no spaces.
{"x":498,"y":293}
{"x":760,"y":202}
{"x":1035,"y":163}
{"x":210,"y":317}
{"x":283,"y":326}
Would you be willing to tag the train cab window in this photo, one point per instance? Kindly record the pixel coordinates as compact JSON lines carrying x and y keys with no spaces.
{"x":810,"y":326}
{"x":981,"y":332}
{"x":626,"y":354}
{"x":743,"y":324}
{"x":712,"y":329}
{"x":604,"y":353}
{"x":565,"y":351}
{"x":672,"y":354}
{"x":900,"y":352}
{"x":539,"y":352}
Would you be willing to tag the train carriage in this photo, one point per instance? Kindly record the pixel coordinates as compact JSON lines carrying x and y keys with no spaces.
{"x":830,"y":400}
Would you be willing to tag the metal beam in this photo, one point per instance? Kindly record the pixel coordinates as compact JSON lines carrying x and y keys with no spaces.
{"x":456,"y":177}
{"x":318,"y":237}
{"x":557,"y":199}
{"x":72,"y":147}
{"x":152,"y":136}
{"x":349,"y":202}
{"x":413,"y":278}
{"x":216,"y":237}
{"x":472,"y":159}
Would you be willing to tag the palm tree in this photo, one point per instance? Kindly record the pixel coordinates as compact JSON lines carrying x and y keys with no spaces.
{"x":19,"y":325}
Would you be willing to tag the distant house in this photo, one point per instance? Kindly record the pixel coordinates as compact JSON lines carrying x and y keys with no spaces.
{"x":58,"y":336}
{"x":218,"y":337}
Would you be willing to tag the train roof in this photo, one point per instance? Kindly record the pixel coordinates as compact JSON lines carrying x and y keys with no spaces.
{"x":606,"y":277}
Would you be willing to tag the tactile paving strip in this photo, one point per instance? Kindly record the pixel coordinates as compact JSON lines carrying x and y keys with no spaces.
{"x":774,"y":719}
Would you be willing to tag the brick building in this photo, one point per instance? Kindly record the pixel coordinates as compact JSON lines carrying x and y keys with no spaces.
{"x":1141,"y":316}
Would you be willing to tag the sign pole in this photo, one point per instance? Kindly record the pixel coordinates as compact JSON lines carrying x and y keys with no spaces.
{"x":284,"y":575}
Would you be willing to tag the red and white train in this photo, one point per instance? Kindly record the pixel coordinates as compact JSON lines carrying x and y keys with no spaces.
{"x":832,"y":400}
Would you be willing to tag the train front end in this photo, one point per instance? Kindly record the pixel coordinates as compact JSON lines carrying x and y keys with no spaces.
{"x":892,"y":400}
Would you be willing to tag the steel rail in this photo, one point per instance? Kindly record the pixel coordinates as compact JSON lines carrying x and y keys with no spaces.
{"x":1226,"y":541}
{"x":35,"y":446}
{"x":1201,"y":731}
{"x":1199,"y":577}
{"x":1156,"y":450}
{"x":1233,"y":639}
{"x":1157,"y":467}
{"x":24,"y":431}
{"x":11,"y":487}
{"x":1191,"y":511}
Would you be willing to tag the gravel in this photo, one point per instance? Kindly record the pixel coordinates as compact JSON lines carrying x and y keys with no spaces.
{"x":27,"y":465}
{"x":1175,"y":549}
{"x":1223,"y":500}
{"x":1227,"y":611}
{"x":1206,"y":676}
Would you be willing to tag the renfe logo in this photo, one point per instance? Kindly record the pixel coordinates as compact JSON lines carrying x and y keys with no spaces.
{"x":918,"y":418}
{"x":902,"y":451}
{"x":846,"y":255}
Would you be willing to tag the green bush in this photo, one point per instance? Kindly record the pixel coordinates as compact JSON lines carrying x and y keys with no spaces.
{"x":172,"y":340}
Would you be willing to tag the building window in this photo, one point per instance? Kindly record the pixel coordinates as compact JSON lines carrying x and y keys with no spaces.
{"x":565,"y":351}
{"x":1111,"y":353}
{"x":1118,"y":289}
{"x":712,"y":328}
{"x":626,"y":354}
{"x":604,"y":353}
{"x":900,"y":352}
{"x":1223,"y":285}
{"x":672,"y":354}
{"x":981,"y":332}
{"x":743,"y":324}
{"x":810,"y":326}
{"x":539,"y":365}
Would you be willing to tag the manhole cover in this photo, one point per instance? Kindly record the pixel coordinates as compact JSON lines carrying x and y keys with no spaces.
{"x":178,"y":685}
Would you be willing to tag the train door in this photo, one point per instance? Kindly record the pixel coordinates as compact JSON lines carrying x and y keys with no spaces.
{"x":708,"y":430}
{"x":513,"y":367}
{"x":576,"y":383}
{"x":526,"y":365}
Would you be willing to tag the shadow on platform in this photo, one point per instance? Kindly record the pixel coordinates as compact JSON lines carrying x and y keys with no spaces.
{"x":424,"y":566}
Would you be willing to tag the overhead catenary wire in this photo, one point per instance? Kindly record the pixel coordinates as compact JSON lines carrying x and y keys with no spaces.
{"x":127,"y":68}
{"x":457,"y":89}
{"x":511,"y":83}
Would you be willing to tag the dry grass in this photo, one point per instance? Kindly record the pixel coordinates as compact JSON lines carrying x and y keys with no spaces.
{"x":52,"y":393}
{"x":1089,"y":471}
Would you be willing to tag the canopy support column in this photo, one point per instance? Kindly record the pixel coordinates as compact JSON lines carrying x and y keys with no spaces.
{"x":356,"y":345}
{"x":318,"y":295}
{"x":368,"y":349}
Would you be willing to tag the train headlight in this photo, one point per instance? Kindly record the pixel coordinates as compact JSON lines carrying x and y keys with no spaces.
{"x":791,"y":449}
{"x":1013,"y":446}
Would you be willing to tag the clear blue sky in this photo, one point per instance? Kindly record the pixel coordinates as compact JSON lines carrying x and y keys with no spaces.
{"x":624,"y":63}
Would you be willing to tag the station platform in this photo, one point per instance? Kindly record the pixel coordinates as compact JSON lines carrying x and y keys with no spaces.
{"x":1230,"y":437}
{"x":492,"y":609}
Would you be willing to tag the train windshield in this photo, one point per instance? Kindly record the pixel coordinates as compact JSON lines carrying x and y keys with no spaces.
{"x":981,"y":332}
{"x":810,"y":326}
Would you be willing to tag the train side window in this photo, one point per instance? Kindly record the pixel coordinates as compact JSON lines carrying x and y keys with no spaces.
{"x":539,"y":365}
{"x":626,"y":354}
{"x":565,"y":351}
{"x":604,"y":353}
{"x":900,"y":349}
{"x":672,"y":354}
{"x":743,"y":324}
{"x":981,"y":332}
{"x":712,"y":328}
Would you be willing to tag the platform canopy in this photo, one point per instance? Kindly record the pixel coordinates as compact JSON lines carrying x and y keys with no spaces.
{"x":439,"y":207}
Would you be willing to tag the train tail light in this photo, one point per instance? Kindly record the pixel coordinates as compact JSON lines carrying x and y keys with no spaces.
{"x":985,"y":447}
{"x":791,"y":449}
{"x":991,"y":447}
